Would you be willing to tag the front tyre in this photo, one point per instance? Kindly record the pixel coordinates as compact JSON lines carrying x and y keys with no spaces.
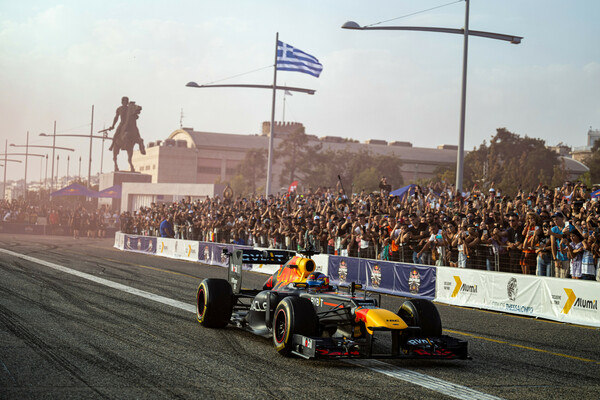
{"x":424,"y":314}
{"x":293,"y":315}
{"x":214,"y":303}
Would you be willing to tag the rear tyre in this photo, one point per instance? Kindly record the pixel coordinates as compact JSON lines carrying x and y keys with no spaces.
{"x":214,"y":303}
{"x":422,"y":313}
{"x":293,"y":315}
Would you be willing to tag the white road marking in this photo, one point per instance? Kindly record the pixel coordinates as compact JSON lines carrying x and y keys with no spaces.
{"x":429,"y":382}
{"x":417,"y":378}
{"x":105,"y":282}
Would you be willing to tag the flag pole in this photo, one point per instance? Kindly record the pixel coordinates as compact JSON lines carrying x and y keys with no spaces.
{"x":272,"y":130}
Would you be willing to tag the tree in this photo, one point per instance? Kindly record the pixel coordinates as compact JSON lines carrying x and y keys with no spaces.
{"x":593,"y":163}
{"x":249,"y":171}
{"x":295,"y":154}
{"x":326,"y":166}
{"x":512,"y":162}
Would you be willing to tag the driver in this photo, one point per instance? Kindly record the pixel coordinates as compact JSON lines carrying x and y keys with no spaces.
{"x":317,"y":281}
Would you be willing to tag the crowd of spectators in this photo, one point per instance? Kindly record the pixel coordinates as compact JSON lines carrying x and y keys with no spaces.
{"x":550,"y":232}
{"x":76,"y":219}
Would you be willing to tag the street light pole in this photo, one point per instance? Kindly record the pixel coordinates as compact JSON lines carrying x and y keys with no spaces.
{"x":26,"y":159}
{"x":68,"y":163}
{"x":460,"y":155}
{"x":5,"y":168}
{"x":6,"y":161}
{"x":272,"y":87}
{"x":46,"y":179}
{"x":89,"y":185}
{"x":466,"y":33}
{"x":57,"y":158}
{"x":79,"y":168}
{"x":53,"y":148}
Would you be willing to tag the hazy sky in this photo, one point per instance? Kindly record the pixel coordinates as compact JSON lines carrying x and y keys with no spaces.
{"x":58,"y":58}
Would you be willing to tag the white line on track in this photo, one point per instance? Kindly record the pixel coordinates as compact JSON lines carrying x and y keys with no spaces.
{"x":417,"y":378}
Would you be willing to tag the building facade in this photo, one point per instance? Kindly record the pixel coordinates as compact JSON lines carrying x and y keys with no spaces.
{"x":189,"y":156}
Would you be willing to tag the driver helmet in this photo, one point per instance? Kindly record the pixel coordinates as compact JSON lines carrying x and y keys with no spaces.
{"x":317,"y":280}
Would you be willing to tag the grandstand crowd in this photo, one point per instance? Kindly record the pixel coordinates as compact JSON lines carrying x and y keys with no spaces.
{"x":81,"y":221}
{"x":550,"y":232}
{"x":545,"y":231}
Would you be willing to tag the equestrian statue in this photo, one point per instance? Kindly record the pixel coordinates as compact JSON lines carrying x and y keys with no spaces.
{"x":127,"y":133}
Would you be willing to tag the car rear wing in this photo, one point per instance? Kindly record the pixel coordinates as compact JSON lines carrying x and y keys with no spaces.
{"x":252,"y":256}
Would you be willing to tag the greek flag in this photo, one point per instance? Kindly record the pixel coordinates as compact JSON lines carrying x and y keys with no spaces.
{"x":292,"y":59}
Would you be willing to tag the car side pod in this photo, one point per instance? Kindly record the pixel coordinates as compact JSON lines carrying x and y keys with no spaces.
{"x":379,"y":319}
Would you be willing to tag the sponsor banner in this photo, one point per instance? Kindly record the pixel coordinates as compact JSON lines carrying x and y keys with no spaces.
{"x":516,"y":294}
{"x":186,"y":249}
{"x":459,"y":286}
{"x":119,"y":240}
{"x":380,"y":275}
{"x":574,"y":301}
{"x":414,"y":280}
{"x":345,"y":270}
{"x":140,"y":244}
{"x":322,"y":262}
{"x":165,"y":246}
{"x":383,"y":276}
{"x":212,"y":254}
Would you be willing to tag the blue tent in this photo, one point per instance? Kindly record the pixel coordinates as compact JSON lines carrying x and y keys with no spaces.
{"x":403,"y":191}
{"x":75,"y":189}
{"x":113,"y":192}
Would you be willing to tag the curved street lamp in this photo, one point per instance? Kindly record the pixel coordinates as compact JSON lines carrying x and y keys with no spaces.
{"x":271,"y":87}
{"x":27,"y":154}
{"x":466,"y":32}
{"x":91,"y":136}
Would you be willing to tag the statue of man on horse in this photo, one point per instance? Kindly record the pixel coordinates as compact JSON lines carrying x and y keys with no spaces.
{"x":127,"y":133}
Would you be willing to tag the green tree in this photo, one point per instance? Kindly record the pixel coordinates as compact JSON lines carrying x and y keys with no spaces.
{"x":511,"y":162}
{"x":593,"y":163}
{"x":249,"y":171}
{"x":295,"y":153}
{"x":327,"y":165}
{"x":367,"y":179}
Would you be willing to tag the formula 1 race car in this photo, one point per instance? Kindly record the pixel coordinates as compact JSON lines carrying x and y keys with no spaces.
{"x":307,"y":317}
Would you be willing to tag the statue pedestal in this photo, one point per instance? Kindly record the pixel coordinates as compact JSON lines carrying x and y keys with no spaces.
{"x":117,"y":178}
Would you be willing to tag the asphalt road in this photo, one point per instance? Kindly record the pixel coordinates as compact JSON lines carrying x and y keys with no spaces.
{"x":125,"y":328}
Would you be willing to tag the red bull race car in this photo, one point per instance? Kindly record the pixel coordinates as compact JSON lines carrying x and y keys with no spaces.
{"x":308,"y":317}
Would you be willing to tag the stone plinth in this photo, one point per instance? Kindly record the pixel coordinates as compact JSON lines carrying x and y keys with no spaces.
{"x":117,"y":178}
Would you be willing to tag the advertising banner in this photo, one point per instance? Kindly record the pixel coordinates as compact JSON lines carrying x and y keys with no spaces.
{"x":165,"y":246}
{"x":414,"y":280}
{"x":140,"y":244}
{"x":186,"y":249}
{"x":345,"y":270}
{"x":212,"y":254}
{"x":459,"y":286}
{"x":574,"y":301}
{"x":516,"y":294}
{"x":119,"y":240}
{"x":380,"y":275}
{"x":322,"y":262}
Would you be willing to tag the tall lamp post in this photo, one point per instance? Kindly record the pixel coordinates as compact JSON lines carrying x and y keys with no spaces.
{"x":86,"y":136}
{"x":272,"y":134}
{"x":57,"y":158}
{"x":27,"y":146}
{"x":466,"y":32}
{"x":18,"y":154}
{"x":5,"y":165}
{"x":46,"y":178}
